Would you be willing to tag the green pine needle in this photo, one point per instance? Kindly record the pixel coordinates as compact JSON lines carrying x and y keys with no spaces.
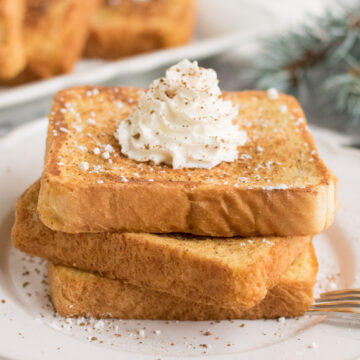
{"x":347,"y":87}
{"x":322,"y":56}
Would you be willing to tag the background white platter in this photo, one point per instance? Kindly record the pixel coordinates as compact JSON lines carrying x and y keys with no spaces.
{"x":214,"y":34}
{"x":29,"y":329}
{"x":221,"y":25}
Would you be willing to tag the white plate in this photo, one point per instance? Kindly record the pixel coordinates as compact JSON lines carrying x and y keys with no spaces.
{"x":29,"y":330}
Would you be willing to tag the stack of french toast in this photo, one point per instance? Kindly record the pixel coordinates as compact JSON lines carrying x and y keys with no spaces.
{"x":144,"y":240}
{"x":44,"y":38}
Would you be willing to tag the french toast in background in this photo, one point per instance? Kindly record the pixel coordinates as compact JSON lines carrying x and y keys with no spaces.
{"x":278,"y":185}
{"x":12,"y":56}
{"x":124,"y":27}
{"x":55,"y":32}
{"x":234,"y":272}
{"x":44,"y":38}
{"x":76,"y":293}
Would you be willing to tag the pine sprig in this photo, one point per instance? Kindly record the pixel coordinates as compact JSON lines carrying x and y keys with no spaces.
{"x":321,"y":58}
{"x":347,"y":88}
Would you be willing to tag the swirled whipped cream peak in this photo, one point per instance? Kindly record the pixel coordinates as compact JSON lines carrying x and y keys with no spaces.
{"x":182,"y":121}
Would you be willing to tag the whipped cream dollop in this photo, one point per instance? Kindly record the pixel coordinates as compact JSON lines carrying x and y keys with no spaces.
{"x":182,"y":121}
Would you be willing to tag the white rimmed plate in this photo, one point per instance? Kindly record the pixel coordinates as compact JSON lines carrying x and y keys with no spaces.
{"x":30,"y":330}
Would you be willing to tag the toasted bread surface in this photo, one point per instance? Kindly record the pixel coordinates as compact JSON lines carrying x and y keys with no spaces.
{"x":278,"y":186}
{"x":228,"y":272}
{"x":76,"y":293}
{"x":127,"y":27}
{"x":55,"y":32}
{"x":12,"y":55}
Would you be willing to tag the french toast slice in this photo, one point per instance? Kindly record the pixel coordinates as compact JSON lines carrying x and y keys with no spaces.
{"x":127,"y":27}
{"x":12,"y":55}
{"x":55,"y":33}
{"x":277,"y":186}
{"x":76,"y":293}
{"x":225,"y":272}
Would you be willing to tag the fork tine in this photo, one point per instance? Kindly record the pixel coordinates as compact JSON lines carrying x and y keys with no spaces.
{"x":340,"y":292}
{"x":338,"y":304}
{"x":336,"y":311}
{"x":338,"y":298}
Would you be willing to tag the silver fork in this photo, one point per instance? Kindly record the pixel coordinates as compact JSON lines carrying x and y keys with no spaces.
{"x":339,"y":302}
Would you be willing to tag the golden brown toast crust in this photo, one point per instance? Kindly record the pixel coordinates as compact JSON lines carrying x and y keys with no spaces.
{"x":75,"y":293}
{"x":12,"y":55}
{"x":130,"y":27}
{"x":246,"y":197}
{"x":226,"y":272}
